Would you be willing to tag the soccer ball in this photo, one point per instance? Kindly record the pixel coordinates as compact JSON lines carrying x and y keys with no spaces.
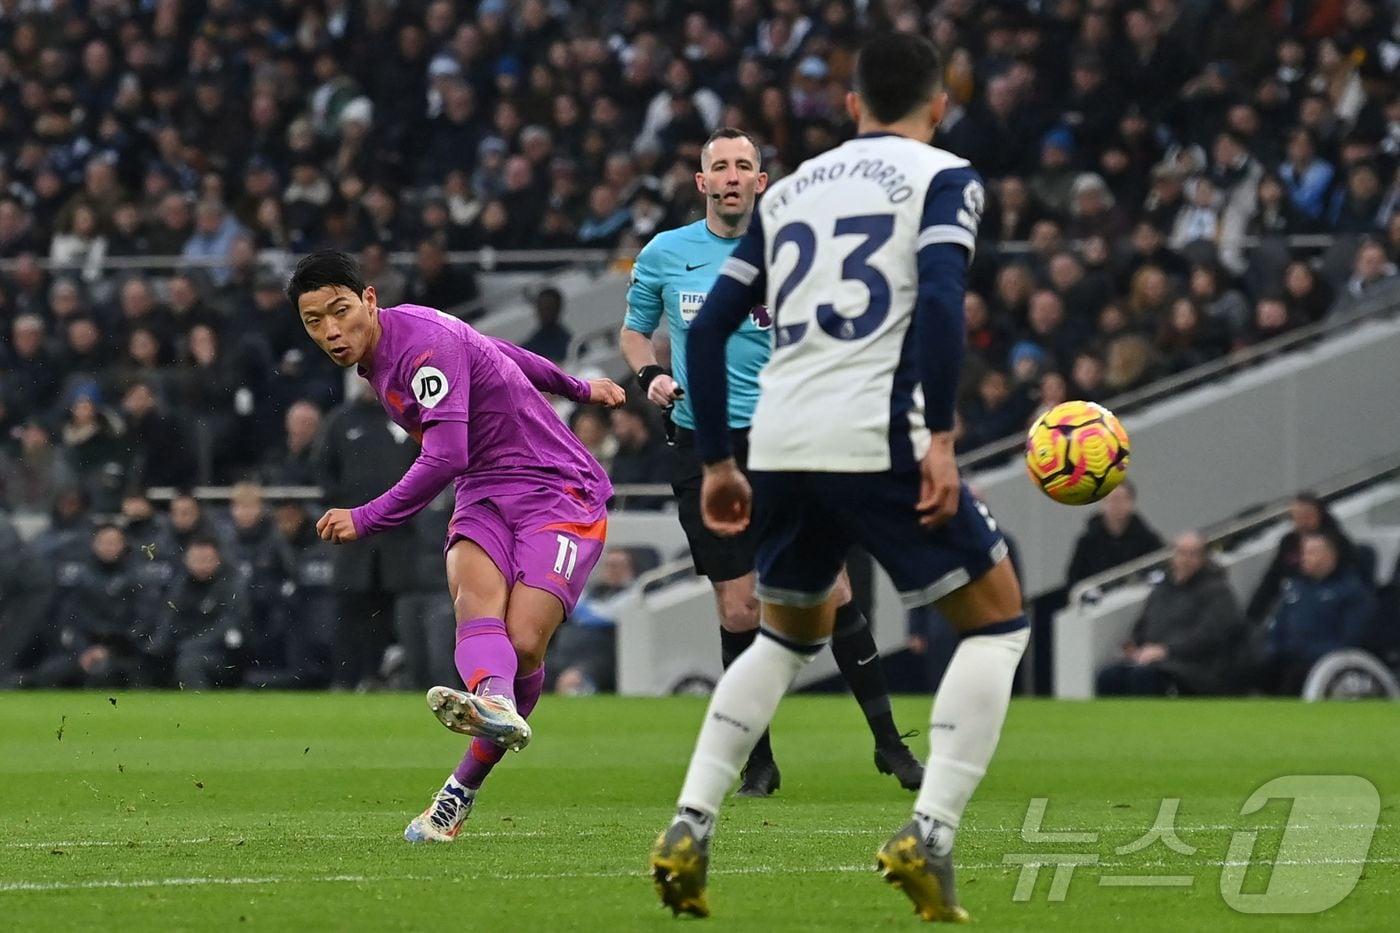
{"x":1077,"y":453}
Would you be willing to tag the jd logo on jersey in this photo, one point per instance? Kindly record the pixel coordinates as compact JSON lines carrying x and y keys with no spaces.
{"x":429,"y":386}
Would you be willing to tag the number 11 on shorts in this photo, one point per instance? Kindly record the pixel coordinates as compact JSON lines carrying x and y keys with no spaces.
{"x":567,"y":557}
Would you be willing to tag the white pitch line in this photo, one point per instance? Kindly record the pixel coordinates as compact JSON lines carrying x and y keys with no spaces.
{"x":110,"y":884}
{"x":873,"y":833}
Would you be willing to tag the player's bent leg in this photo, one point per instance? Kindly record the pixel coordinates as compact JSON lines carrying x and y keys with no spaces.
{"x":484,"y":654}
{"x":532,"y":617}
{"x":966,"y":724}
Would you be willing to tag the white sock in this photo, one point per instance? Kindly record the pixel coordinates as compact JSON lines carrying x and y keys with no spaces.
{"x":966,"y":723}
{"x":742,"y":707}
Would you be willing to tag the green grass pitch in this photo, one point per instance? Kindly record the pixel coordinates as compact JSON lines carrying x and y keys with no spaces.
{"x":243,"y":811}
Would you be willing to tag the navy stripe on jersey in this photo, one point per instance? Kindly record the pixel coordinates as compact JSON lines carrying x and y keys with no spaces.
{"x":952,"y":211}
{"x":742,"y":283}
{"x":906,"y":377}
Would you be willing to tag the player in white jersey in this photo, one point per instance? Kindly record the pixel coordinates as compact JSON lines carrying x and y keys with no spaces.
{"x":861,"y":254}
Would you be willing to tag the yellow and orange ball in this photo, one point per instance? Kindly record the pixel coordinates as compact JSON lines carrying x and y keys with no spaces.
{"x":1077,"y":452}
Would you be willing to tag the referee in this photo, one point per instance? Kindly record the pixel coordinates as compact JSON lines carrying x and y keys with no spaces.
{"x":670,"y":279}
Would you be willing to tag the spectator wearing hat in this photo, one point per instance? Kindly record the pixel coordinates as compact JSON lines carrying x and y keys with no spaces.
{"x":1051,"y":184}
{"x":93,"y":445}
{"x":1093,"y":209}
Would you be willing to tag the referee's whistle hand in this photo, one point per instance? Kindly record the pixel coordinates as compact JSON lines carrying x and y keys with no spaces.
{"x":725,"y":499}
{"x":662,"y":391}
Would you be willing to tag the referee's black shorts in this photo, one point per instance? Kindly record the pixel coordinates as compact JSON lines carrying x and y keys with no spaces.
{"x":718,"y":558}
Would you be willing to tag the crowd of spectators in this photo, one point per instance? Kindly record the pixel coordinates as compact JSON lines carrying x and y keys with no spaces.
{"x":1153,"y":159}
{"x":1149,"y":166}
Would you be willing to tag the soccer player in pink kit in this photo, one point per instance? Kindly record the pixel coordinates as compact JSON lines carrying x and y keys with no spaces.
{"x":530,"y":517}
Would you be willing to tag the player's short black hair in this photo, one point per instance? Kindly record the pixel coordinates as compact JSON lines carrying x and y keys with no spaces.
{"x":322,"y":268}
{"x":203,"y":540}
{"x":895,"y":73}
{"x":733,"y":132}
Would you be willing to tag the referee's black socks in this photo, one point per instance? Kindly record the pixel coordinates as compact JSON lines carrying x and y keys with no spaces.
{"x":853,"y":645}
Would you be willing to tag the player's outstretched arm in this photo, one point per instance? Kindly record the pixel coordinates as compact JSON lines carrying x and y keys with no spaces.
{"x":547,"y":377}
{"x":442,"y":459}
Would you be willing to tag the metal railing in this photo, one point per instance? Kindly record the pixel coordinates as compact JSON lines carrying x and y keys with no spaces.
{"x":486,"y":259}
{"x":316,"y":493}
{"x":1376,"y":307}
{"x":1225,"y":533}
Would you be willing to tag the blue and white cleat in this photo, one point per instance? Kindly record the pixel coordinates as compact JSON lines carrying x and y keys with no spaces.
{"x":491,"y":717}
{"x":444,"y":817}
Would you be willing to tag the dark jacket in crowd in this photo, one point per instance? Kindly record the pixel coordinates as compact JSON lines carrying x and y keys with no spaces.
{"x":362,"y":455}
{"x":216,"y":608}
{"x":1315,"y":617}
{"x":1201,"y":626}
{"x":1097,"y":550}
{"x":258,"y":554}
{"x":161,"y":451}
{"x":25,"y":592}
{"x":100,"y":606}
{"x":1286,"y":565}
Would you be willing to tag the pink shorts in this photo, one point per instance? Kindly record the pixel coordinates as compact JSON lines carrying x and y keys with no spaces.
{"x":545,"y":539}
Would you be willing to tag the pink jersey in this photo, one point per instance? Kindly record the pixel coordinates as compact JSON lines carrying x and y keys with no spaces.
{"x":430,"y":367}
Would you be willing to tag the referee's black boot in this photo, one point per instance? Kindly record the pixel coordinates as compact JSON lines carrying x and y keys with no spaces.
{"x":896,"y":758}
{"x":760,"y":778}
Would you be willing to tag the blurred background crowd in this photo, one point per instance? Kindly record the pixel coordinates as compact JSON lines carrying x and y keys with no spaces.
{"x":1169,"y":182}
